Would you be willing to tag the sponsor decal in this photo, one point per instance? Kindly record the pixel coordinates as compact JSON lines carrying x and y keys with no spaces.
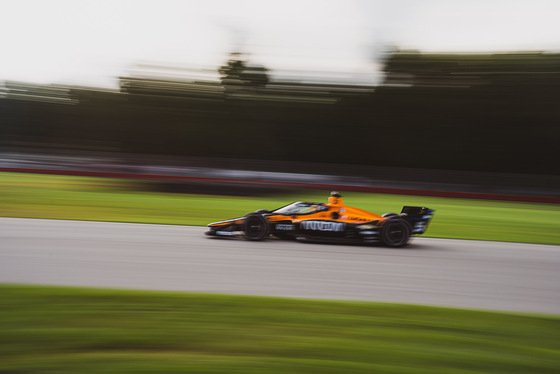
{"x":285,"y":227}
{"x":420,"y":227}
{"x":359,"y":219}
{"x":323,"y":226}
{"x":225,"y":233}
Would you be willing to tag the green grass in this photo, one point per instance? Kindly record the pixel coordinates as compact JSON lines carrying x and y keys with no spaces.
{"x":101,"y":199}
{"x":73,"y":330}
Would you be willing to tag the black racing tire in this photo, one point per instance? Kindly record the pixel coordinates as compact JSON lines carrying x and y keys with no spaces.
{"x":395,"y":232}
{"x":255,"y":227}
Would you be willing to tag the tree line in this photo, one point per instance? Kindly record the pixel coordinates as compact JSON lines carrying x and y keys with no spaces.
{"x":477,"y":112}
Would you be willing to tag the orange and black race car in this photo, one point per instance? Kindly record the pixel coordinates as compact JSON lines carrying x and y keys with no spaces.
{"x":332,"y":222}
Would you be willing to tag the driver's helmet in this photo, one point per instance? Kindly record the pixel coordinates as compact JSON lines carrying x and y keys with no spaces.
{"x":335,"y":198}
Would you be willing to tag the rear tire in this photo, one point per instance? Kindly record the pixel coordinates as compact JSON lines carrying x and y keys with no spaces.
{"x":395,"y":232}
{"x":255,"y":227}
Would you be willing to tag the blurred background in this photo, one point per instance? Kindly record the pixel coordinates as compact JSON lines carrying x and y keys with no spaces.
{"x":449,"y":95}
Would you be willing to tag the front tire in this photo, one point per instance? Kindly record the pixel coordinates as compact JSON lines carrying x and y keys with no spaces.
{"x":395,"y":232}
{"x":255,"y":227}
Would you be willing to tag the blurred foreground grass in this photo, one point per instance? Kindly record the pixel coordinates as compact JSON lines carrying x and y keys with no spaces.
{"x":73,"y":330}
{"x":102,"y":199}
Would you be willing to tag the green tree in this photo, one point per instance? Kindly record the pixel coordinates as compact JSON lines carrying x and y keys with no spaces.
{"x":238,"y":74}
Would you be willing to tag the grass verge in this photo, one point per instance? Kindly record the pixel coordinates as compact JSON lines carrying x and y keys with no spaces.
{"x":76,"y":330}
{"x":102,"y":199}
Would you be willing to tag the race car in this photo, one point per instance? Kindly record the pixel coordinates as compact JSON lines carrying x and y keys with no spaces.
{"x":330,"y":222}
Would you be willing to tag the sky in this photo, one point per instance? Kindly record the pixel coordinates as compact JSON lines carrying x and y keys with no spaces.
{"x":93,"y":42}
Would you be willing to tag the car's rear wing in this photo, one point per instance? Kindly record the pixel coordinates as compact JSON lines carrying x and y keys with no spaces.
{"x":418,"y":217}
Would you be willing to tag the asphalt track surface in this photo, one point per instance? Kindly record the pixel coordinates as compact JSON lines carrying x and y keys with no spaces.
{"x":457,"y":273}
